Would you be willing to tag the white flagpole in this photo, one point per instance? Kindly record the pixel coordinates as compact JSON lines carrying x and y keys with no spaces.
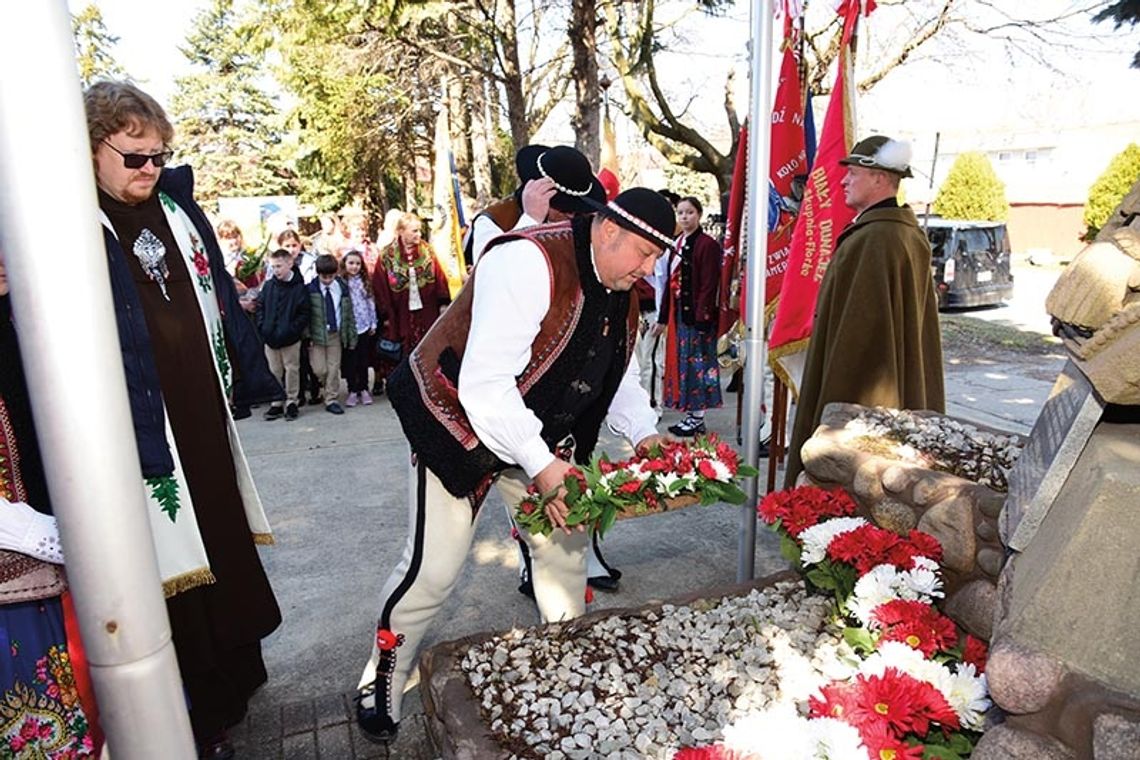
{"x":48,"y":225}
{"x":756,"y":244}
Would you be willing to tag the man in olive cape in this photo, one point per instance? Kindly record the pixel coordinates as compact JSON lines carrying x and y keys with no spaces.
{"x":875,"y":339}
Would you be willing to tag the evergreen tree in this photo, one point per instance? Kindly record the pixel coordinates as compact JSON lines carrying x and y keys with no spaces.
{"x":225,"y":123}
{"x":93,"y":44}
{"x":1110,"y":188}
{"x":972,"y":191}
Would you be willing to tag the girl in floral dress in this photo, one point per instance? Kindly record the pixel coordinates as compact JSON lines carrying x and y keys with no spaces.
{"x":688,"y":316}
{"x":355,"y":361}
{"x":47,"y":705}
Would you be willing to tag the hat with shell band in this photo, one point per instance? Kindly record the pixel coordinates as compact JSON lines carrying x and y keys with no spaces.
{"x":643,"y":212}
{"x":568,"y":169}
{"x":881,"y":152}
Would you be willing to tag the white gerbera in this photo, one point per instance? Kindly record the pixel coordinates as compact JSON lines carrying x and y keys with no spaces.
{"x":777,"y":733}
{"x":817,"y":538}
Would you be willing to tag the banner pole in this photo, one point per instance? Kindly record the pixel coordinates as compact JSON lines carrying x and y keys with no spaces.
{"x":66,"y":326}
{"x":756,"y":244}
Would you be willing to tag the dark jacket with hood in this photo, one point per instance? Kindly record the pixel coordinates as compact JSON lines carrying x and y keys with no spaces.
{"x":283,"y":310}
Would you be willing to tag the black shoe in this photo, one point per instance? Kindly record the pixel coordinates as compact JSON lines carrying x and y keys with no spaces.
{"x":603,"y":583}
{"x":378,"y":389}
{"x":376,"y":726}
{"x":526,"y":588}
{"x":688,"y":427}
{"x":291,"y":412}
{"x":240,"y":412}
{"x":334,"y":408}
{"x":314,"y":399}
{"x":274,"y":412}
{"x":218,"y":748}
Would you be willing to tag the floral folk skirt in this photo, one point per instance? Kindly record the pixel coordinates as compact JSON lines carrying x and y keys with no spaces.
{"x":42,"y":711}
{"x":692,"y":375}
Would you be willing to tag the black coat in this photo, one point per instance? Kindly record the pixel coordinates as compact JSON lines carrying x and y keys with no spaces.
{"x":283,"y":310}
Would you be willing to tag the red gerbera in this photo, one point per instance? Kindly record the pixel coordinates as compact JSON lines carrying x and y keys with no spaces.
{"x":882,"y":744}
{"x":917,"y":624}
{"x":836,"y":700}
{"x":925,"y":545}
{"x":975,"y":653}
{"x":892,"y":700}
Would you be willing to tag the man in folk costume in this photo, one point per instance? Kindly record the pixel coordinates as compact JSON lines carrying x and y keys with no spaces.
{"x":875,"y":339}
{"x":187,"y":347}
{"x":554,"y":184}
{"x":515,"y":378}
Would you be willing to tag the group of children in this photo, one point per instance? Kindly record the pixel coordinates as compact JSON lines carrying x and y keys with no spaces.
{"x":318,"y":318}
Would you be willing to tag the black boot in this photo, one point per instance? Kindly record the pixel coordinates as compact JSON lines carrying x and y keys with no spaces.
{"x":376,"y":722}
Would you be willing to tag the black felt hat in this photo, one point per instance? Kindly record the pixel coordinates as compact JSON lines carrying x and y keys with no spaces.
{"x":568,"y":169}
{"x":644,"y":212}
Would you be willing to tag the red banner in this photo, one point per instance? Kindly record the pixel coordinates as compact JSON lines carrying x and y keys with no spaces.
{"x":823,"y":215}
{"x":789,"y":159}
{"x":730,"y":294}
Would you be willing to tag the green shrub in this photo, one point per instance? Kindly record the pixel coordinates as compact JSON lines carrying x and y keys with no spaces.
{"x":972,"y":191}
{"x":1110,"y":188}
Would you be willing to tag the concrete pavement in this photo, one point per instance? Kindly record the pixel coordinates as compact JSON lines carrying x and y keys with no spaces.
{"x":335,"y":491}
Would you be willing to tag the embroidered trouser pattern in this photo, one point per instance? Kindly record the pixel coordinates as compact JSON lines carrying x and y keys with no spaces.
{"x":440,"y":533}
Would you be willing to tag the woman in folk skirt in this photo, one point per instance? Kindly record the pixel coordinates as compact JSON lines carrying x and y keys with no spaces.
{"x":688,"y":317}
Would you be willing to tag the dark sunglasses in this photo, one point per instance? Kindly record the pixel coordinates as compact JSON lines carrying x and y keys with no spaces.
{"x":138,"y":160}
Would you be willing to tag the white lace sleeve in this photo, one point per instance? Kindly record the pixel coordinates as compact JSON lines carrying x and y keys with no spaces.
{"x":24,"y":530}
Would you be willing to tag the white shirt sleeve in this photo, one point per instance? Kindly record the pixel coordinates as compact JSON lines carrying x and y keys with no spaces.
{"x":484,"y":229}
{"x":511,"y":297}
{"x":630,"y":412}
{"x":24,"y":530}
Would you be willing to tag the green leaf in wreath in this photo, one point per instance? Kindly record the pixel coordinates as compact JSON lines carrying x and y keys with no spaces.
{"x":790,"y":550}
{"x":747,"y":471}
{"x":730,"y":493}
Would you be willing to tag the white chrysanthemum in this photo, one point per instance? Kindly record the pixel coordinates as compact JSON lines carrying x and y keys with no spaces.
{"x":837,"y":740}
{"x":777,"y":733}
{"x":919,"y":562}
{"x":968,"y":694}
{"x":878,"y":586}
{"x":924,"y":581}
{"x":817,"y":538}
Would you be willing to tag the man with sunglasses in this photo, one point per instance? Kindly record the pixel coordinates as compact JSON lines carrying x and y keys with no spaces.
{"x":875,"y":340}
{"x":186,"y":348}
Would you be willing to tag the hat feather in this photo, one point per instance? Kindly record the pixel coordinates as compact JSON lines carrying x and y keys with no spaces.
{"x":895,"y":154}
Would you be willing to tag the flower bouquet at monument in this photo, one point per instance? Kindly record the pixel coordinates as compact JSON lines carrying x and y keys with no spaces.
{"x":917,"y":688}
{"x":669,"y":474}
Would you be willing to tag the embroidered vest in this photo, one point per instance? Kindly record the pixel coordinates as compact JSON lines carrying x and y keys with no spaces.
{"x":577,"y":361}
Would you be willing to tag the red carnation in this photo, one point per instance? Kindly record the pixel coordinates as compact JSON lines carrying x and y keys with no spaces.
{"x":527,"y":507}
{"x":705,"y":469}
{"x":605,"y":466}
{"x":629,"y":488}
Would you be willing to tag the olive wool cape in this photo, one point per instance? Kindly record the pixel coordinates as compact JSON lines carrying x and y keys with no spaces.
{"x":875,"y":339}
